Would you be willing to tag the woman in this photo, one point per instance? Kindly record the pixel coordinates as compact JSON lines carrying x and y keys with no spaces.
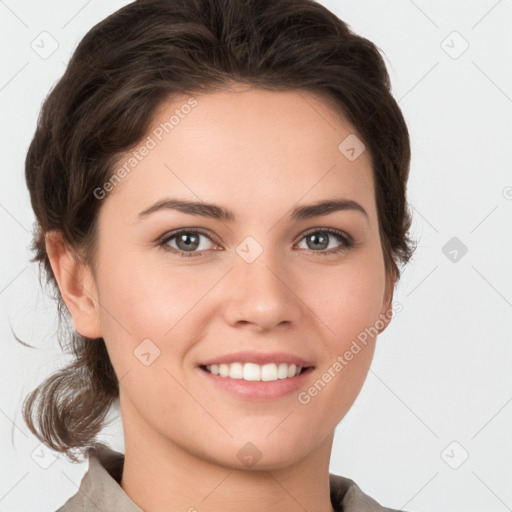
{"x":220,"y":189}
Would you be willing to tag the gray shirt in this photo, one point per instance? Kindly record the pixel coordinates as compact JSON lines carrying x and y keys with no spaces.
{"x":100,"y":489}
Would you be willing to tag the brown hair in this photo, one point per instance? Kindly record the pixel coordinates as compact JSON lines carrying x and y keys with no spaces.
{"x":119,"y":74}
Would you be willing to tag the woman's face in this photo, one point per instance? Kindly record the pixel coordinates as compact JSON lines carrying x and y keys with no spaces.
{"x":266,"y":280}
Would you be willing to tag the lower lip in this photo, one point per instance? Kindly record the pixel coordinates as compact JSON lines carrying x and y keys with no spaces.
{"x":259,"y":390}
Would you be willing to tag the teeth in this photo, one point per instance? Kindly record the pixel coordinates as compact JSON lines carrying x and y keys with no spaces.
{"x":256,"y":372}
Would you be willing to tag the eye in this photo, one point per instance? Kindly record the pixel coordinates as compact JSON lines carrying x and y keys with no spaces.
{"x":318,"y":241}
{"x":188,"y":242}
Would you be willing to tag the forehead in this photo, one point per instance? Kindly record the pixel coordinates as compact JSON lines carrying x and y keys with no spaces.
{"x":242,"y":144}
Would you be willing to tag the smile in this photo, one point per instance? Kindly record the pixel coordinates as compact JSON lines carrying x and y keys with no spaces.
{"x":255,"y":372}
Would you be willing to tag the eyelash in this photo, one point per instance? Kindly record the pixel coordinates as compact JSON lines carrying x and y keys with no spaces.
{"x":346,"y":240}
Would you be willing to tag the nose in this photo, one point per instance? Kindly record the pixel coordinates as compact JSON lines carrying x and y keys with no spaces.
{"x":261,"y":294}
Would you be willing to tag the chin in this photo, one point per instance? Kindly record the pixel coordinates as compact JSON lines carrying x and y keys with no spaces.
{"x":265,"y":454}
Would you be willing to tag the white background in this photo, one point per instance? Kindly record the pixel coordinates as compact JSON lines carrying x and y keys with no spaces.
{"x":441,"y":373}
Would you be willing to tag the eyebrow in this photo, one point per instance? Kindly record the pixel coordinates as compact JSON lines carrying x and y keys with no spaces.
{"x":205,"y":209}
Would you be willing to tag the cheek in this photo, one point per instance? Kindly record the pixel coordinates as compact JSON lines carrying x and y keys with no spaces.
{"x":349,"y":308}
{"x":348,"y":303}
{"x":145,"y":294}
{"x":146,"y":301}
{"x":348,"y":300}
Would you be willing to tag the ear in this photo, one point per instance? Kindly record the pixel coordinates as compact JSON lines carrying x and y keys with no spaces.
{"x":76,"y":284}
{"x":386,"y":312}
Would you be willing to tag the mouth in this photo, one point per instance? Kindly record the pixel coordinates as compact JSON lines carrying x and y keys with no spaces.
{"x":254,"y":372}
{"x":257,"y":383}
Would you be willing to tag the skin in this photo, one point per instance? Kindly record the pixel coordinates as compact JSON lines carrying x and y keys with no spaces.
{"x":258,"y":153}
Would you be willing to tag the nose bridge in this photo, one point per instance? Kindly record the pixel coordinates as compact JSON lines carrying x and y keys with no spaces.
{"x":261,"y":294}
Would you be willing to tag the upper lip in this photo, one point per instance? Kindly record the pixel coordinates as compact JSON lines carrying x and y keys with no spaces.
{"x":258,"y":358}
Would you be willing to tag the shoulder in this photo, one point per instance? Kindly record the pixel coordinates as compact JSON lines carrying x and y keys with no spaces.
{"x":347,"y":496}
{"x":100,"y":486}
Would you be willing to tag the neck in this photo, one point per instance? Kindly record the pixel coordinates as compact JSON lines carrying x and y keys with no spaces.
{"x":160,"y":475}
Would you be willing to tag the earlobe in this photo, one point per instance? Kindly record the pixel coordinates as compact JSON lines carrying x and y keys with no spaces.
{"x":76,"y":285}
{"x":387,"y":304}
